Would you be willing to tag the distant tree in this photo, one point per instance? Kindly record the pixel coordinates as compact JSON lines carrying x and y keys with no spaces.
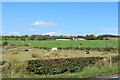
{"x":80,"y":36}
{"x":109,"y":35}
{"x":5,"y":38}
{"x":33,"y":37}
{"x":100,"y":37}
{"x":90,"y":37}
{"x":39,"y":37}
{"x":23,"y":39}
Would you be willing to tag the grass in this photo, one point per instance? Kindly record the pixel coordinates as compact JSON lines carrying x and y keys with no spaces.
{"x":21,"y":55}
{"x":64,"y":44}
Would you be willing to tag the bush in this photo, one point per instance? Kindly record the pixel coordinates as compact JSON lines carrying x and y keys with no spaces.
{"x":26,"y":45}
{"x":5,"y":43}
{"x":2,"y":62}
{"x":115,"y":59}
{"x":57,"y":66}
{"x":12,"y":44}
{"x":34,"y":56}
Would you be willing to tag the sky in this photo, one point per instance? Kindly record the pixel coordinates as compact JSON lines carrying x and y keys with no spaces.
{"x":60,"y":0}
{"x":59,"y":18}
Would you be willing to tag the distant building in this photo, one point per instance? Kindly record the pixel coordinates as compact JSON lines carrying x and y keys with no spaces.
{"x":63,"y":39}
{"x":105,"y":39}
{"x":66,"y":38}
{"x":78,"y":39}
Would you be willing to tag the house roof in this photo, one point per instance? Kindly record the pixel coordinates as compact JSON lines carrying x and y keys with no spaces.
{"x":63,"y":38}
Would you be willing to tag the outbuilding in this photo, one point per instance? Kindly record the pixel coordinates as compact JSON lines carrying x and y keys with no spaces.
{"x":78,"y":39}
{"x":63,"y":39}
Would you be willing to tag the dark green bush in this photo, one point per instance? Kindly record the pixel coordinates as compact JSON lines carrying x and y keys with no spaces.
{"x":58,"y":66}
{"x":5,"y":43}
{"x":12,"y":44}
{"x":115,"y":59}
{"x":26,"y":45}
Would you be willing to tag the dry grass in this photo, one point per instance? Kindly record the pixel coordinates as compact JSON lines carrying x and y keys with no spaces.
{"x":18,"y":56}
{"x":21,"y":55}
{"x":114,"y":38}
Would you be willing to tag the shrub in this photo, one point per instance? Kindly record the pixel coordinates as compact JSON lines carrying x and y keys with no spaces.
{"x":115,"y":59}
{"x":34,"y":56}
{"x":2,"y":62}
{"x":26,"y":45}
{"x":15,"y":53}
{"x":57,"y":66}
{"x":5,"y":43}
{"x":12,"y":44}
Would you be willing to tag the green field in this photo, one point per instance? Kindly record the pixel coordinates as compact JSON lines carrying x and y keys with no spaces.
{"x":64,"y":44}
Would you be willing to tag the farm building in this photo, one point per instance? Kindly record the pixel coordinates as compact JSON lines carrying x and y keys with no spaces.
{"x":63,"y":38}
{"x":78,"y":39}
{"x":66,"y":38}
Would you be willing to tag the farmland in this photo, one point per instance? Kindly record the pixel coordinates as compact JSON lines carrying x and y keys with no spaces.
{"x":65,"y":44}
{"x":60,"y":39}
{"x":18,"y":51}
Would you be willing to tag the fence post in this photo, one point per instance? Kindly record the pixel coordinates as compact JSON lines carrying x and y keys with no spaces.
{"x":110,"y":60}
{"x":10,"y":67}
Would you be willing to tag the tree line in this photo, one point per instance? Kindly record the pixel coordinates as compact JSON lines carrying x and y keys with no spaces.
{"x":48,"y":37}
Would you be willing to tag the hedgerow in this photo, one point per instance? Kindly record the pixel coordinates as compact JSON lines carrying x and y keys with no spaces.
{"x":58,"y":66}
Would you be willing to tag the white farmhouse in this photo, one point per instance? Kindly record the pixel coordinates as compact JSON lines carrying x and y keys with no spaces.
{"x":78,"y":39}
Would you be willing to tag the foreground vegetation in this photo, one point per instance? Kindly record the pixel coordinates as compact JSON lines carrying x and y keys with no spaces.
{"x":93,"y":72}
{"x":17,"y":55}
{"x":102,"y":68}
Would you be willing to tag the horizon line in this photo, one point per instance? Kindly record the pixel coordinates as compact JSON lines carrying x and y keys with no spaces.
{"x":62,"y":35}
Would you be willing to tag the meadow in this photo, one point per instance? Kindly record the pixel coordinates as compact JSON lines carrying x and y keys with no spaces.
{"x":65,"y":44}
